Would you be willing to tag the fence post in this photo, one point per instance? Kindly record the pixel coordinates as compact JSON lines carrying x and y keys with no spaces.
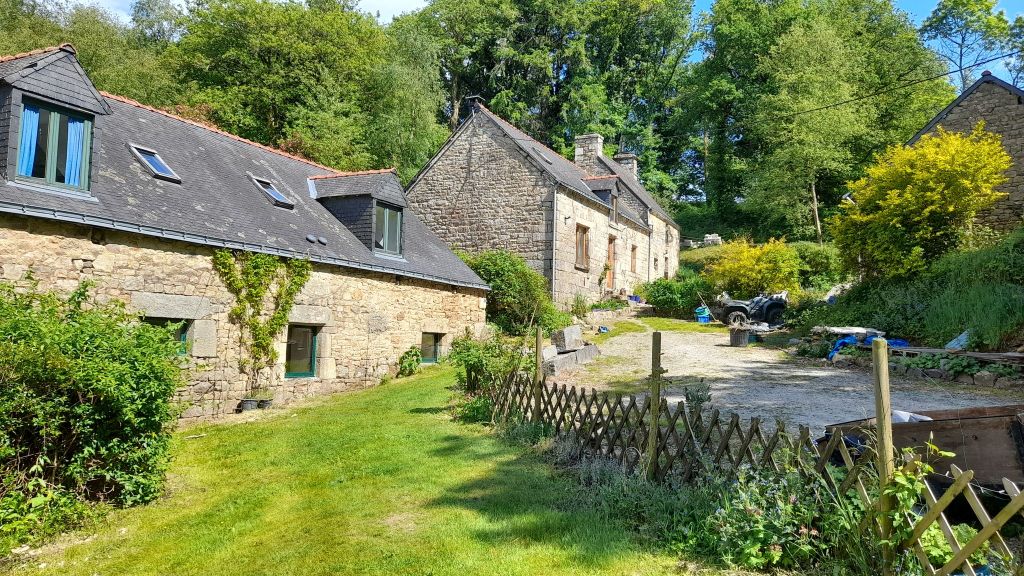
{"x":655,"y":397}
{"x":883,"y":419}
{"x":538,"y":376}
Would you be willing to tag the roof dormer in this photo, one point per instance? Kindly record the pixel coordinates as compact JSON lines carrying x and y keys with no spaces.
{"x":370,"y":204}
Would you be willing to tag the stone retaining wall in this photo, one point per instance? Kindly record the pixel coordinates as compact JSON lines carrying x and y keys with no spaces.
{"x":365,"y":320}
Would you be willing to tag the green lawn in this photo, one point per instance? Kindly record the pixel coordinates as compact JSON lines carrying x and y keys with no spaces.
{"x":373,"y":482}
{"x":676,"y":325}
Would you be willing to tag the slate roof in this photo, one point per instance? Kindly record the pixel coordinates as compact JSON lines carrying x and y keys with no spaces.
{"x":216,"y":203}
{"x":986,"y":78}
{"x":380,"y":184}
{"x":572,"y":176}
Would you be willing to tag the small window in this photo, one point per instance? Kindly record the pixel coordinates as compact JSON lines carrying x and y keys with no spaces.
{"x":632,"y":259}
{"x":387,"y":229}
{"x":54,"y":146}
{"x":157,"y":167}
{"x":300,"y":352}
{"x":582,"y":247}
{"x":430,"y":347}
{"x":179,"y":329}
{"x":543,"y":155}
{"x":665,"y":271}
{"x":273,"y":193}
{"x":615,"y":210}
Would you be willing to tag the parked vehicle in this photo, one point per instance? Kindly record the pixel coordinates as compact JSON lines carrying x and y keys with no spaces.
{"x":763,"y":308}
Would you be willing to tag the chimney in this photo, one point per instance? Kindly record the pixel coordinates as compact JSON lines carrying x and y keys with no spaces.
{"x":588,"y":148}
{"x":628,"y":161}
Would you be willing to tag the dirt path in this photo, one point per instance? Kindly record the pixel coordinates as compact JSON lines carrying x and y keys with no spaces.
{"x":769,"y":383}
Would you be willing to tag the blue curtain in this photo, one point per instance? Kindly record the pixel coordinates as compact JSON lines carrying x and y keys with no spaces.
{"x":73,"y":167}
{"x":29,"y":137}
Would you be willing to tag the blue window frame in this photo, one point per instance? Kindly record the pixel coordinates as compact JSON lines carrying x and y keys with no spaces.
{"x":156,"y":165}
{"x":430,"y":347}
{"x":300,"y":352}
{"x":273,"y":193}
{"x":387,"y":229}
{"x":54,"y":146}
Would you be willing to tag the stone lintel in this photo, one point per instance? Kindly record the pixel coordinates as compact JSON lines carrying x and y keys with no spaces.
{"x":176,"y":306}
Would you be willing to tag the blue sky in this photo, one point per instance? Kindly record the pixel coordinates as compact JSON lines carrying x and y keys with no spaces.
{"x":387,"y":9}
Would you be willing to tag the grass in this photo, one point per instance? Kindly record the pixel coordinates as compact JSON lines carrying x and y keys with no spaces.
{"x":380,"y":481}
{"x":617,"y":329}
{"x":676,"y":325}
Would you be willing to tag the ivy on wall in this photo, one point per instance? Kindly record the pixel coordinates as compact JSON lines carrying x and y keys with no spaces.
{"x":264,"y":287}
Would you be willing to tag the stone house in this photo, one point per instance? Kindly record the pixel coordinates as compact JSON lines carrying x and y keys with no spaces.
{"x":589,"y":226}
{"x":97,"y":187}
{"x":1001,"y":106}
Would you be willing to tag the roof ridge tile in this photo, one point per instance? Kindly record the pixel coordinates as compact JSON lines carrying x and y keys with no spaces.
{"x":355,"y":173}
{"x":38,"y":51}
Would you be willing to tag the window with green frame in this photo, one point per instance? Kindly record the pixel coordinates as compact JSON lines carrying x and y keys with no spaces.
{"x":430,"y":347}
{"x":54,"y":146}
{"x":300,"y":352}
{"x":387,"y":229}
{"x":179,"y":329}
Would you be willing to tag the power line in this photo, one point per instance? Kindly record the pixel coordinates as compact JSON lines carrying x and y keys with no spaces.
{"x":899,"y":87}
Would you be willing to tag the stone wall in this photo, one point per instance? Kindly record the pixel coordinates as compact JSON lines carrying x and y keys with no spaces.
{"x":1003,"y":113}
{"x":365,"y":320}
{"x":571,"y":280}
{"x":482,"y":193}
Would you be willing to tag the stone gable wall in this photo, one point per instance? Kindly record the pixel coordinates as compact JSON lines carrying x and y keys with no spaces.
{"x":483,"y":193}
{"x":1003,"y":114}
{"x":366,"y":320}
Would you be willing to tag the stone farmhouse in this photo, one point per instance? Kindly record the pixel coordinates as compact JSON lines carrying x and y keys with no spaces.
{"x":97,"y":187}
{"x":589,"y":226}
{"x":1001,"y":106}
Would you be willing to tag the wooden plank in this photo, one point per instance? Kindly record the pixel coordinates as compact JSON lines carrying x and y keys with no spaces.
{"x":883,"y":418}
{"x":986,"y":532}
{"x":979,"y":510}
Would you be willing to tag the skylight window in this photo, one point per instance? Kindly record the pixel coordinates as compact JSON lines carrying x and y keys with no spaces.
{"x":156,"y":165}
{"x":273,"y":193}
{"x":543,"y":155}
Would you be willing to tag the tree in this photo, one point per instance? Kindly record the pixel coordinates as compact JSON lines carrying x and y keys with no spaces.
{"x":157,"y":20}
{"x":1015,"y":45}
{"x":966,"y":33}
{"x":917,"y":202}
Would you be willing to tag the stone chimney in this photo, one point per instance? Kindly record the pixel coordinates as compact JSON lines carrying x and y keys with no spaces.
{"x":628,"y":161}
{"x":588,"y":149}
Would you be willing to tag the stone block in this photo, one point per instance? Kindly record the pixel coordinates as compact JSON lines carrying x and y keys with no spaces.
{"x":587,"y":353}
{"x":936,"y":373}
{"x":984,"y":378}
{"x":568,"y":339}
{"x":160,"y":305}
{"x":559,"y":364}
{"x":548,"y":352}
{"x":204,"y":338}
{"x":915,"y":373}
{"x":965,"y":379}
{"x":306,"y":314}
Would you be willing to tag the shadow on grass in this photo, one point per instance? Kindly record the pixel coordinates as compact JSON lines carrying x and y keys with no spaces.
{"x":428,"y":410}
{"x":527,"y":504}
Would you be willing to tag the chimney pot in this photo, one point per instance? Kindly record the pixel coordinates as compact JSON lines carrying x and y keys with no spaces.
{"x":986,"y":73}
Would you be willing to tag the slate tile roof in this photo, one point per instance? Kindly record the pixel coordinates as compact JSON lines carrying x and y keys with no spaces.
{"x":380,"y":184}
{"x":216,"y":203}
{"x":572,"y":176}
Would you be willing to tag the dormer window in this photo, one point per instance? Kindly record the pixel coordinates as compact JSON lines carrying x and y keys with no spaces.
{"x":54,"y":146}
{"x":273,"y":193}
{"x":387,"y":229}
{"x":156,"y":165}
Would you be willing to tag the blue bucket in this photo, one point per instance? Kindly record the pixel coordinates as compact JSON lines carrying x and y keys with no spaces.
{"x":703,"y":319}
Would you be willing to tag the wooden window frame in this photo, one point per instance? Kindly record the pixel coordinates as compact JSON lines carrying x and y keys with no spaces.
{"x":632,"y":259}
{"x":584,"y":233}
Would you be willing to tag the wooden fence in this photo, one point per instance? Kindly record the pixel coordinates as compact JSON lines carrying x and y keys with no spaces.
{"x":689,"y":442}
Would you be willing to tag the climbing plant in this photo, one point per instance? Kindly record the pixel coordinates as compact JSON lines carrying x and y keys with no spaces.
{"x":264,"y":287}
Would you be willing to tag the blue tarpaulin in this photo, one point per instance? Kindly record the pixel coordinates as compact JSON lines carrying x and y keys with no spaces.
{"x":852,"y":341}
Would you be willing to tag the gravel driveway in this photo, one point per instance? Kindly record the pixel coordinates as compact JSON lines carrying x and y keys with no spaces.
{"x":769,"y":383}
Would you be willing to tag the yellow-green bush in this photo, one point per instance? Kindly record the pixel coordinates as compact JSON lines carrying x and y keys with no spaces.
{"x":917,"y":202}
{"x":746,"y":270}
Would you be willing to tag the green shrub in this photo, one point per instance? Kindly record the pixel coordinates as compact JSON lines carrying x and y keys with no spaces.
{"x":821,"y":267}
{"x":677,"y":298}
{"x":698,"y":259}
{"x":409,"y":362}
{"x":613,"y":304}
{"x":745,"y":270}
{"x":580,"y":306}
{"x":485,"y":363}
{"x":85,"y":407}
{"x":934,"y":543}
{"x":980,"y":290}
{"x":519,"y":294}
{"x":474,"y":409}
